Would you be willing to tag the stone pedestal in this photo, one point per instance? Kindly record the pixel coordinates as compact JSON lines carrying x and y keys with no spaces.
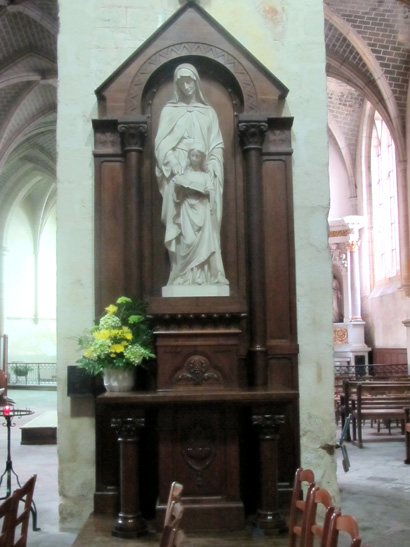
{"x":349,"y":346}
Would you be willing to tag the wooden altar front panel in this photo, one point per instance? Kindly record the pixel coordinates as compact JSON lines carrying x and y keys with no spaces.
{"x":208,"y":439}
{"x":200,"y":448}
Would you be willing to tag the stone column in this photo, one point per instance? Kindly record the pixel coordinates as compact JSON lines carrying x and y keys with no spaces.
{"x":353,"y":246}
{"x":133,"y":138}
{"x":268,"y":516}
{"x":130,"y":523}
{"x":252,"y":133}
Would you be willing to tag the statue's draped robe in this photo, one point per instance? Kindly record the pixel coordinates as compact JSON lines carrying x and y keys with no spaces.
{"x":179,"y":126}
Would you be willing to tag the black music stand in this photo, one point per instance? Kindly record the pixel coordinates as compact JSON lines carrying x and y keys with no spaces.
{"x":8,"y":414}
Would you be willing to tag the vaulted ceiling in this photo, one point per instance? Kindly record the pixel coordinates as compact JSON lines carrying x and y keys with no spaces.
{"x":28,"y":99}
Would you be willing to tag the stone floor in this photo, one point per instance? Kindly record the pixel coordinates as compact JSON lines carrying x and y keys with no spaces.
{"x":376,"y":490}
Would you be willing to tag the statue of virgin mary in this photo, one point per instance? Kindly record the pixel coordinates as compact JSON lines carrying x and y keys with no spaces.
{"x":187,"y":119}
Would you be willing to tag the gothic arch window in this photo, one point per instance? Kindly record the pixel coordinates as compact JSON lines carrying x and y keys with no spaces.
{"x":30,"y":280}
{"x":384,"y":209}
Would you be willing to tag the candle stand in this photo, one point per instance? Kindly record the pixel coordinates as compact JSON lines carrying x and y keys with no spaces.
{"x":9,"y":413}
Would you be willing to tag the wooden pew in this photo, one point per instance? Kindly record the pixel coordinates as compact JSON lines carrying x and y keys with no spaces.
{"x":374,"y":400}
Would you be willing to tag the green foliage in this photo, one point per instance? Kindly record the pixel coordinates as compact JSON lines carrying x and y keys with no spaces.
{"x":22,"y":370}
{"x":121,"y":339}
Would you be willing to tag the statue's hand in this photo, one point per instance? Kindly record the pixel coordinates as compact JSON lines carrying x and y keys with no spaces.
{"x":177,"y":169}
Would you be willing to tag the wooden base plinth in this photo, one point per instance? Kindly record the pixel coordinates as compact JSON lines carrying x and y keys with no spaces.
{"x":270,"y":523}
{"x":130,"y":526}
{"x":106,"y":502}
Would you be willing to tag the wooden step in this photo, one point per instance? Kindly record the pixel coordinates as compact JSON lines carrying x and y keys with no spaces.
{"x":40,"y":430}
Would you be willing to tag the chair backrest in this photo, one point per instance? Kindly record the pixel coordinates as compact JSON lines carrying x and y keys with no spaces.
{"x":21,"y":520}
{"x":297,"y":517}
{"x":343,"y":523}
{"x":174,"y":495}
{"x":320,"y":497}
{"x":8,"y":513}
{"x":172,"y":535}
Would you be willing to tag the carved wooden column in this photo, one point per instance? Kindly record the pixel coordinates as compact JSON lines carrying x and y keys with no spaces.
{"x":130,"y":523}
{"x":268,"y":517}
{"x":133,"y":138}
{"x":252,"y":132}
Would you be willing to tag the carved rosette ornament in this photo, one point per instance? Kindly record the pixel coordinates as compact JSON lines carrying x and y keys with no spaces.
{"x":252,"y":134}
{"x":133,"y":136}
{"x":197,"y":370}
{"x":340,"y":336}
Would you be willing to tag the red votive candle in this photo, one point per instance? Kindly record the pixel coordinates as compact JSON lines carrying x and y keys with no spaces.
{"x":6,"y":410}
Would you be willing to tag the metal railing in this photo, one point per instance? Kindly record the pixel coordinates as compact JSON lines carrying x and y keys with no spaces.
{"x":382,"y":371}
{"x":32,"y":374}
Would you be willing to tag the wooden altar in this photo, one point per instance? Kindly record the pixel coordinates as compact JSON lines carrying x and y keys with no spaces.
{"x":220,"y":413}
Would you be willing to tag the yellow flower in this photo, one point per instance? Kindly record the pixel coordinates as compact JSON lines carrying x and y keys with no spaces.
{"x":87,"y":353}
{"x":117,"y":348}
{"x":126,"y":332}
{"x":111,"y":309}
{"x":101,"y":334}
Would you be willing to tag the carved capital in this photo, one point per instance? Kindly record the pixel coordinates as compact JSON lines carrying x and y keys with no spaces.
{"x":268,"y":425}
{"x":353,"y":245}
{"x":127,"y":429}
{"x":133,"y":135}
{"x":252,"y":134}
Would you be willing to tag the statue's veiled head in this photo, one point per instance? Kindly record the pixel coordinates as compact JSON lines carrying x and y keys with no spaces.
{"x":187,"y":84}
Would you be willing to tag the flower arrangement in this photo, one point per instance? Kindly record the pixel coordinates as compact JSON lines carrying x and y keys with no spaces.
{"x":122,"y":338}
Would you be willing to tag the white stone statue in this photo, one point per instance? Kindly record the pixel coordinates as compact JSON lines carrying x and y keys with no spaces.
{"x":337,"y":300}
{"x":189,"y":154}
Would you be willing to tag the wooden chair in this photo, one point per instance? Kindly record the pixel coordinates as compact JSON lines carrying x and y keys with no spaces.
{"x":298,"y":513}
{"x":174,"y":495}
{"x":7,"y":513}
{"x":319,"y":497}
{"x":20,"y":521}
{"x":348,"y":525}
{"x":172,"y":535}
